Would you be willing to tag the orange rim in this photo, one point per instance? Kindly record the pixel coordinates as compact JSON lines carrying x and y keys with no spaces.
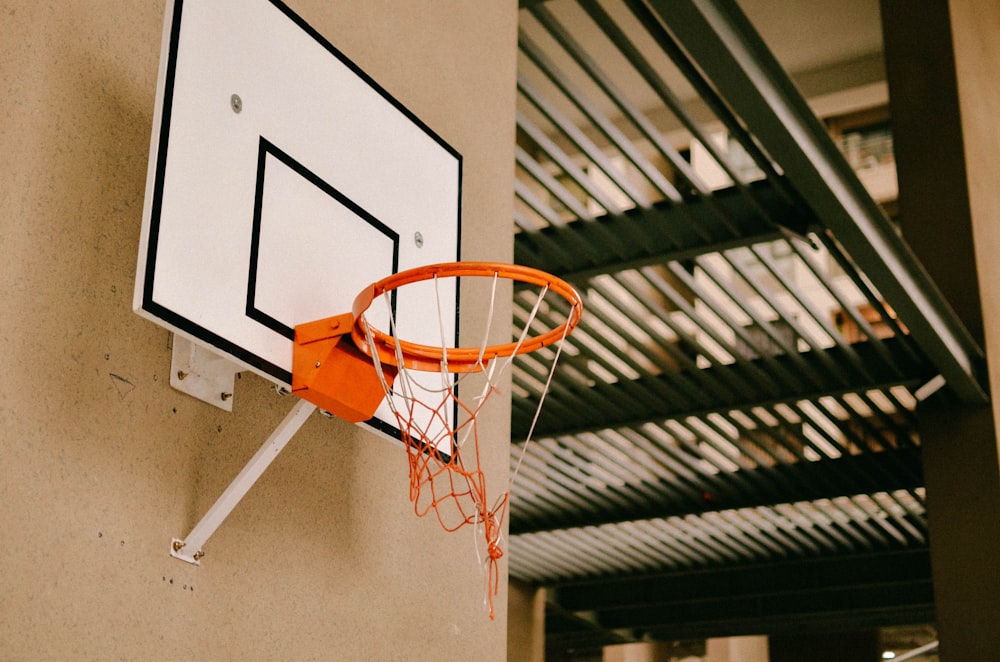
{"x":460,"y":359}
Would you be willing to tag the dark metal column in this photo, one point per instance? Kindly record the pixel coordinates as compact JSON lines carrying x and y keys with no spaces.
{"x":939,"y":122}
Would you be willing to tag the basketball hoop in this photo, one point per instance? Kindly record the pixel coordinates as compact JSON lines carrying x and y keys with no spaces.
{"x":333,"y":368}
{"x":458,"y":359}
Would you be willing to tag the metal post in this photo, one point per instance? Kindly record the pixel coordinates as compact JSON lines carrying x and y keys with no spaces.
{"x":189,"y":549}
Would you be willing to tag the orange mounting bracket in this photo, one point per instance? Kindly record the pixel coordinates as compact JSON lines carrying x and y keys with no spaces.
{"x":329,"y":371}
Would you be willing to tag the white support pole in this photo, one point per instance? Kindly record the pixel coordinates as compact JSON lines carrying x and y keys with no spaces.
{"x":189,"y":549}
{"x":917,"y":652}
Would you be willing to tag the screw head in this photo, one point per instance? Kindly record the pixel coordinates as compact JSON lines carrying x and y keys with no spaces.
{"x":236,"y":103}
{"x":418,"y":239}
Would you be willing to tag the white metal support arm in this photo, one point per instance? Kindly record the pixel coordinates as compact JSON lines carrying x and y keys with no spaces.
{"x":189,"y":549}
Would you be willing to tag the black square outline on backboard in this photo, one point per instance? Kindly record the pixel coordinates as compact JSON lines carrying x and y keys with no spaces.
{"x":264,"y":149}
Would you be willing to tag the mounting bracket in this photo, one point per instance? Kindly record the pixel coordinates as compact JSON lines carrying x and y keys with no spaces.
{"x":201,"y":373}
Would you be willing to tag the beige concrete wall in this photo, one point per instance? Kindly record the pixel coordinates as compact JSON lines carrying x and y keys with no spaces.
{"x":637,"y":652}
{"x":737,"y":649}
{"x":101,"y":462}
{"x":975,"y":25}
{"x":525,"y":623}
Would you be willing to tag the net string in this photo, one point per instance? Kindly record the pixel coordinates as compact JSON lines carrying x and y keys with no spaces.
{"x":439,"y":480}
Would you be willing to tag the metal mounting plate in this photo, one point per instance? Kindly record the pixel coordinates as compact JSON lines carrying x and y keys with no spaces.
{"x":202,"y":374}
{"x":177,"y":548}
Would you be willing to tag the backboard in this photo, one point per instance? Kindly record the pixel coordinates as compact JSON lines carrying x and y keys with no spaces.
{"x":282,"y":180}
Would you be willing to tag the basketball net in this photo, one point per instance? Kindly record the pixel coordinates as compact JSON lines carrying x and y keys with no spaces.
{"x":440,"y":431}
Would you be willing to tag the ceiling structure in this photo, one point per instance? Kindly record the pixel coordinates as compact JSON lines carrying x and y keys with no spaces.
{"x":729,"y":444}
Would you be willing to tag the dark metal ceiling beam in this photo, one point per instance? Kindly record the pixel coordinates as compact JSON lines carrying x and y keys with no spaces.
{"x":656,"y":224}
{"x":581,"y":626}
{"x":859,"y":591}
{"x":590,"y":419}
{"x":720,"y":38}
{"x":886,"y":471}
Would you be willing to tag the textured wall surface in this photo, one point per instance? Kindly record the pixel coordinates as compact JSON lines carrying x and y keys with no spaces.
{"x":102,"y":462}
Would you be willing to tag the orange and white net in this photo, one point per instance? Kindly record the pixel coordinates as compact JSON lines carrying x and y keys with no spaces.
{"x":440,"y":430}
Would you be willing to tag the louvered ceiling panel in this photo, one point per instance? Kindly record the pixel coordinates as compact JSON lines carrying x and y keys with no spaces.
{"x":740,"y":391}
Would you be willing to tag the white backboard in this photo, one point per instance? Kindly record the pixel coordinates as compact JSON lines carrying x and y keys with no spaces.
{"x":282,"y":180}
